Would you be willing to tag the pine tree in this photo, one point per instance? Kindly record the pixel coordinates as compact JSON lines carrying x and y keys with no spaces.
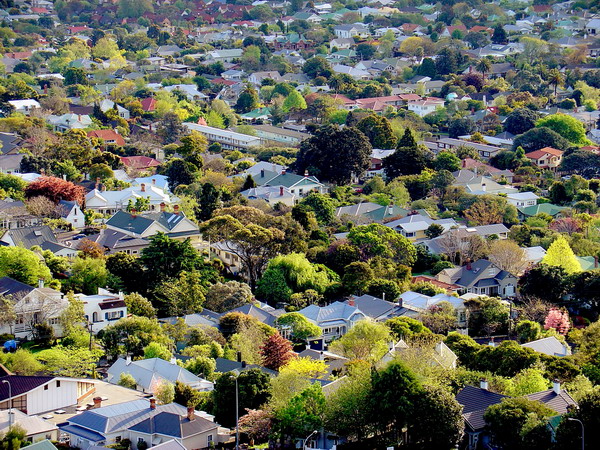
{"x":249,"y":183}
{"x":276,"y":352}
{"x":560,"y":254}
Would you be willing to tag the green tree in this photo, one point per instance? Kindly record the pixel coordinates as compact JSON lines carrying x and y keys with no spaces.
{"x":439,"y":318}
{"x":139,"y":306}
{"x":520,"y":120}
{"x":447,"y":161}
{"x":87,"y":275}
{"x":192,"y":144}
{"x":322,"y":205}
{"x":366,"y":340}
{"x":560,"y":254}
{"x":353,"y":154}
{"x":408,"y":159}
{"x":566,"y":126}
{"x":378,"y":240}
{"x":247,"y":100}
{"x":294,"y":102}
{"x":499,"y":36}
{"x":540,"y":137}
{"x":127,"y":380}
{"x":166,"y":258}
{"x":132,"y":335}
{"x":222,"y":297}
{"x":303,"y":413}
{"x":23,"y":265}
{"x":378,"y":130}
{"x":165,"y":393}
{"x":301,"y":328}
{"x":186,"y":293}
{"x":317,"y":66}
{"x":157,"y":350}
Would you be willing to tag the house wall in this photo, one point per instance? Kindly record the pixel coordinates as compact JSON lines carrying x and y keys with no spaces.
{"x":51,"y":396}
{"x":201,"y":440}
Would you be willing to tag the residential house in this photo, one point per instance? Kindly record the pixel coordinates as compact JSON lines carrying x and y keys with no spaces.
{"x":39,"y":394}
{"x":593,"y":27}
{"x":271,"y":134}
{"x":14,"y":214}
{"x":102,"y":309}
{"x":522,"y":199}
{"x":257,"y":77}
{"x":378,"y":309}
{"x":414,"y":226}
{"x":547,"y":208}
{"x":134,"y":163}
{"x":168,"y":50}
{"x":413,"y":304}
{"x":41,"y":236}
{"x":227,"y":252}
{"x":484,"y":150}
{"x":272,"y":195}
{"x":109,"y":137}
{"x":425,"y":106}
{"x":69,"y":121}
{"x":300,"y":185}
{"x":71,"y":213}
{"x":334,"y":363}
{"x":225,"y":55}
{"x":150,"y":373}
{"x":334,"y":320}
{"x":24,"y":106}
{"x":348,"y":31}
{"x":10,"y":163}
{"x":115,"y":241}
{"x":357,"y":74}
{"x":475,"y":402}
{"x":141,"y":421}
{"x":341,"y":43}
{"x":191,"y":91}
{"x":481,"y":277}
{"x":106,"y":105}
{"x":368,"y":212}
{"x":10,"y":143}
{"x":228,"y":139}
{"x":550,"y":346}
{"x":35,"y":427}
{"x":546,"y":158}
{"x":480,"y":185}
{"x":109,"y":202}
{"x":148,"y":104}
{"x":173,"y":224}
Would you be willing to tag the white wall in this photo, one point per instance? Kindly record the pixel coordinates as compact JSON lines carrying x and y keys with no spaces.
{"x":40,"y":400}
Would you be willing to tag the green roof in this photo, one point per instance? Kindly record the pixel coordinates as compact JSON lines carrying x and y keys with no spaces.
{"x":254,"y":114}
{"x":547,"y":208}
{"x":586,"y":262}
{"x":42,"y":445}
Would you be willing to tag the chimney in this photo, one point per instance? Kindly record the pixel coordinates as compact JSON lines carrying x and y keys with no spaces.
{"x":162,"y":207}
{"x":306,"y":173}
{"x":595,"y":262}
{"x":243,"y":364}
{"x":143,"y":187}
{"x":483,"y":384}
{"x":464,"y":163}
{"x":176,"y":209}
{"x":351,"y":301}
{"x":97,"y":402}
{"x":173,"y":360}
{"x":152,"y":403}
{"x":40,"y":283}
{"x":239,"y":356}
{"x":556,"y":387}
{"x":262,"y":173}
{"x":154,"y":181}
{"x":97,"y":182}
{"x":469,"y":267}
{"x":281,"y":191}
{"x":321,"y":356}
{"x":283,"y":172}
{"x":134,"y":213}
{"x":79,"y":117}
{"x":483,"y":187}
{"x":128,"y":360}
{"x":191,"y":414}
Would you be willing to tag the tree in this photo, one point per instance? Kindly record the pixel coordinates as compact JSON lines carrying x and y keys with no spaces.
{"x":294,"y":102}
{"x":303,"y":413}
{"x":73,"y":318}
{"x":520,"y":120}
{"x":322,"y":205}
{"x":247,"y":100}
{"x":301,"y":328}
{"x":460,"y":127}
{"x":87,"y":275}
{"x":55,"y":189}
{"x":378,"y":130}
{"x":519,"y":423}
{"x":126,"y":270}
{"x":439,"y":318}
{"x":555,"y":78}
{"x":222,"y":297}
{"x":276,"y":352}
{"x":166,"y":258}
{"x":447,"y":161}
{"x":437,"y":421}
{"x":540,"y":137}
{"x":408,"y":159}
{"x":185,"y":294}
{"x":365,"y":50}
{"x":317,"y":66}
{"x":566,"y":126}
{"x":353,"y":154}
{"x":256,"y":424}
{"x":139,"y":306}
{"x":487,"y":315}
{"x":366,"y":340}
{"x":378,"y":240}
{"x":131,"y":335}
{"x":170,"y":128}
{"x":127,"y":380}
{"x":486,"y":210}
{"x":75,"y":75}
{"x":558,"y":320}
{"x":499,"y":36}
{"x":23,"y":265}
{"x":165,"y":393}
{"x":545,"y":281}
{"x":507,"y":255}
{"x":192,"y":144}
{"x":157,"y":350}
{"x":559,"y":254}
{"x":484,"y":66}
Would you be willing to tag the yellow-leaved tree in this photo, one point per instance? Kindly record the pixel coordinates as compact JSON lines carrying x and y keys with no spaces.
{"x":560,"y":254}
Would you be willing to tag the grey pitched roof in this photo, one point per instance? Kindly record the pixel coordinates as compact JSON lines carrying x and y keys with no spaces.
{"x":115,"y":239}
{"x":171,"y":424}
{"x":479,"y":273}
{"x":334,"y":311}
{"x":227,"y":365}
{"x":66,"y":207}
{"x":8,"y":142}
{"x":8,"y":286}
{"x":374,"y":307}
{"x":29,"y":236}
{"x":549,"y":346}
{"x":558,"y":402}
{"x":258,"y":313}
{"x":42,"y":445}
{"x":475,"y":401}
{"x":146,"y":371}
{"x":139,"y":223}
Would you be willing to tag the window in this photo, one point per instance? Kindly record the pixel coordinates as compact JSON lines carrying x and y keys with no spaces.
{"x":57,"y":383}
{"x":118,"y":439}
{"x":140,"y":440}
{"x":46,"y":387}
{"x":209,"y":439}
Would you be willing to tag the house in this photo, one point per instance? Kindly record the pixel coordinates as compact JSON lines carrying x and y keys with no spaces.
{"x":35,"y":427}
{"x":476,"y":400}
{"x":139,"y":162}
{"x":271,"y":134}
{"x":189,"y":90}
{"x":341,"y":43}
{"x":480,"y":185}
{"x":351,"y":30}
{"x":547,"y":208}
{"x":438,"y":354}
{"x":300,"y":185}
{"x":546,"y":158}
{"x":10,"y":143}
{"x":550,"y":346}
{"x":150,"y":373}
{"x":334,"y":363}
{"x":115,"y":241}
{"x":593,"y":27}
{"x":228,"y":139}
{"x":226,"y":251}
{"x":103,"y":308}
{"x":257,"y":77}
{"x":357,"y":74}
{"x":41,"y":236}
{"x":522,"y":199}
{"x":148,"y":104}
{"x":368,"y":212}
{"x":109,"y":137}
{"x":106,"y":105}
{"x":14,"y":214}
{"x":38,"y":394}
{"x":334,"y":320}
{"x":481,"y":277}
{"x":173,"y":224}
{"x":24,"y":106}
{"x":168,"y":50}
{"x":109,"y":202}
{"x":375,"y":308}
{"x":413,"y":304}
{"x":271,"y":195}
{"x":71,"y":213}
{"x":414,"y":226}
{"x":425,"y":106}
{"x":485,"y":151}
{"x":141,"y":421}
{"x":225,"y":55}
{"x":69,"y":121}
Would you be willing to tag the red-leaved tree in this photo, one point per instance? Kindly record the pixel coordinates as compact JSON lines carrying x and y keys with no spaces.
{"x":276,"y":352}
{"x":55,"y":189}
{"x":559,"y":320}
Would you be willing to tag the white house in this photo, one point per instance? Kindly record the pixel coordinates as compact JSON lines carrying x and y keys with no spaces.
{"x":226,"y":55}
{"x":39,"y":394}
{"x":173,"y":224}
{"x":256,"y":78}
{"x":106,"y":105}
{"x":520,"y":199}
{"x":69,"y":121}
{"x":228,"y":139}
{"x":24,"y":106}
{"x":425,"y":106}
{"x":335,"y":319}
{"x":593,"y":27}
{"x":108,"y":202}
{"x":351,"y":30}
{"x":36,"y":428}
{"x":72,"y":213}
{"x":103,"y":308}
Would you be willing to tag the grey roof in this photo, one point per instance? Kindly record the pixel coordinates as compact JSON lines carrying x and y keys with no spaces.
{"x":549,"y":346}
{"x":475,"y":401}
{"x":558,"y":402}
{"x":374,"y":307}
{"x":478,"y":273}
{"x":8,"y":286}
{"x":10,"y":162}
{"x":334,"y":311}
{"x":66,"y":207}
{"x":258,"y":313}
{"x":227,"y":365}
{"x":42,"y":445}
{"x":112,"y":239}
{"x":29,"y":236}
{"x":171,"y":424}
{"x":8,"y":142}
{"x":140,"y":223}
{"x":170,"y":445}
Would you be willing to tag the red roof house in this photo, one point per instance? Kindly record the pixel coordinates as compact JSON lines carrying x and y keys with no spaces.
{"x":139,"y":162}
{"x":148,"y":104}
{"x":108,"y":136}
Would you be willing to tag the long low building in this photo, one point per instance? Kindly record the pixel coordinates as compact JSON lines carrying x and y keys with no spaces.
{"x":228,"y":139}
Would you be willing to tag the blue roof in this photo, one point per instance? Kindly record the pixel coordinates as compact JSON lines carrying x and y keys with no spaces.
{"x":334,"y":311}
{"x":82,"y":432}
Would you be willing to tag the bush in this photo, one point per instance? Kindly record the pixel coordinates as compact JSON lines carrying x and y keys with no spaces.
{"x":439,"y":266}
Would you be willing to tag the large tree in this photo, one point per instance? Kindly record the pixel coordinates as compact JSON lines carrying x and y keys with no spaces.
{"x":378,"y":130}
{"x":55,"y":189}
{"x":520,"y":120}
{"x":567,"y":126}
{"x":408,"y":159}
{"x":560,"y":254}
{"x":538,"y":138}
{"x":276,"y":352}
{"x":335,"y":154}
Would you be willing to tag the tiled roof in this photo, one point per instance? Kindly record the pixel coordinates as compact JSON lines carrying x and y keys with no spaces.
{"x":20,"y":385}
{"x":475,"y":401}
